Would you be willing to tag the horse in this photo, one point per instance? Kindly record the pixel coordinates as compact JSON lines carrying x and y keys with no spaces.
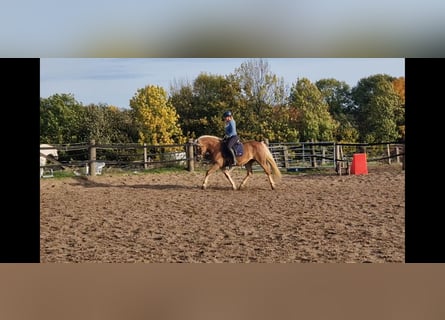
{"x":47,"y":151}
{"x":213,"y":148}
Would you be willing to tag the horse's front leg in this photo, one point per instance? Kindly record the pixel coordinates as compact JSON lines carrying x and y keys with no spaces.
{"x":227,"y":174}
{"x":208,"y":174}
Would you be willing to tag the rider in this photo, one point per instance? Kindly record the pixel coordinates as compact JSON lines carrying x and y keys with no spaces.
{"x":230,"y":133}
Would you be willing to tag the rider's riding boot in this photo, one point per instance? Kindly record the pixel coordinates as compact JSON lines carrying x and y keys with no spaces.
{"x":233,"y":155}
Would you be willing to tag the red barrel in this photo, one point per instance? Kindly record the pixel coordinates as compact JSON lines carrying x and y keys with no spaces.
{"x":359,"y":164}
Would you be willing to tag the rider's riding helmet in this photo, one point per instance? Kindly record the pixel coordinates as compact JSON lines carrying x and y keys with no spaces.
{"x":227,"y":114}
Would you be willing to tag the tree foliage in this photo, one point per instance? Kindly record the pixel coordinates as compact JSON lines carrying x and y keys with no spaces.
{"x":155,"y":117}
{"x":60,"y":119}
{"x":377,"y":108}
{"x":399,"y":88}
{"x":337,"y":95}
{"x":260,"y":93}
{"x":329,"y":110}
{"x":314,"y":122}
{"x":201,"y":104}
{"x":107,"y":124}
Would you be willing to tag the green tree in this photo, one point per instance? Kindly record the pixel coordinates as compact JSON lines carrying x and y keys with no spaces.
{"x":123,"y":125}
{"x":60,"y":119}
{"x":94,"y":124}
{"x":337,"y":95}
{"x":283,"y":126}
{"x":261,"y":93}
{"x":314,"y":122}
{"x":376,"y":109}
{"x":155,"y":117}
{"x":399,"y":88}
{"x":200,"y":105}
{"x":181,"y":98}
{"x":107,"y":124}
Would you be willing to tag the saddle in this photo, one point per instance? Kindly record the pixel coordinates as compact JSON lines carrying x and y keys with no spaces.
{"x":237,"y":147}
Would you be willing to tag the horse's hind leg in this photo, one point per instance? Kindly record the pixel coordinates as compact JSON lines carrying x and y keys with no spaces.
{"x":268,"y":172}
{"x":248,"y":175}
{"x":272,"y":183}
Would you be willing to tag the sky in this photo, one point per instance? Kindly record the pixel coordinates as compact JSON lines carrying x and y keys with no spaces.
{"x":229,"y":28}
{"x":114,"y":81}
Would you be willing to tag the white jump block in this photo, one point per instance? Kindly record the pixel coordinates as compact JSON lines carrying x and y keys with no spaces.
{"x":49,"y":173}
{"x":99,"y":167}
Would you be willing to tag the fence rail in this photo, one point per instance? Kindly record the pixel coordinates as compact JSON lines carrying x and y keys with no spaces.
{"x":289,"y":156}
{"x":329,"y":154}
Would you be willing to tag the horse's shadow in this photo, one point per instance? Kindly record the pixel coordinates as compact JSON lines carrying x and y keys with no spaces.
{"x":88,"y":183}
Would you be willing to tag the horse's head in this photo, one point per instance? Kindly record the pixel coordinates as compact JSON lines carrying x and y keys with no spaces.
{"x":205,"y":147}
{"x":200,"y":150}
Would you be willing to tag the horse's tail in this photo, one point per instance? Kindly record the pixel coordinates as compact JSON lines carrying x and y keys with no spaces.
{"x":273,"y":165}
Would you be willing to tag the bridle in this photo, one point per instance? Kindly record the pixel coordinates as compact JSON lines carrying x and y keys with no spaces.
{"x":197,"y":151}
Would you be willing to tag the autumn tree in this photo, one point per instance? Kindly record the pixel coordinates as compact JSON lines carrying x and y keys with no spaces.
{"x":155,"y":117}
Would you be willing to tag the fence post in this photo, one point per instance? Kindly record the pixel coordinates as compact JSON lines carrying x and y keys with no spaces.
{"x":403,"y":158}
{"x":323,"y":155}
{"x":303,"y":154}
{"x":313,"y":155}
{"x":145,"y":156}
{"x":338,"y":158}
{"x":190,"y":156}
{"x":388,"y":153}
{"x":335,"y":154}
{"x":92,"y":158}
{"x":286,"y":157}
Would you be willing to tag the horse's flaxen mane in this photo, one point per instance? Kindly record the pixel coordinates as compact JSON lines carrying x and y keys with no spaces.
{"x":209,"y":136}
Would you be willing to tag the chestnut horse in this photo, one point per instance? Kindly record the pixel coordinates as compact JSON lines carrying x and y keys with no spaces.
{"x":212,"y":147}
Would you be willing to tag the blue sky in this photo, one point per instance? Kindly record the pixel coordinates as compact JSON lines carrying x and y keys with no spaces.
{"x":114,"y":81}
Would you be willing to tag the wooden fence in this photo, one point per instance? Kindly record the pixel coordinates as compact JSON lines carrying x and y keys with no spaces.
{"x":289,"y":156}
{"x":303,"y":155}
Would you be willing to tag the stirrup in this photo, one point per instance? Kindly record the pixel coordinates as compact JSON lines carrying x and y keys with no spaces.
{"x":233,"y":157}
